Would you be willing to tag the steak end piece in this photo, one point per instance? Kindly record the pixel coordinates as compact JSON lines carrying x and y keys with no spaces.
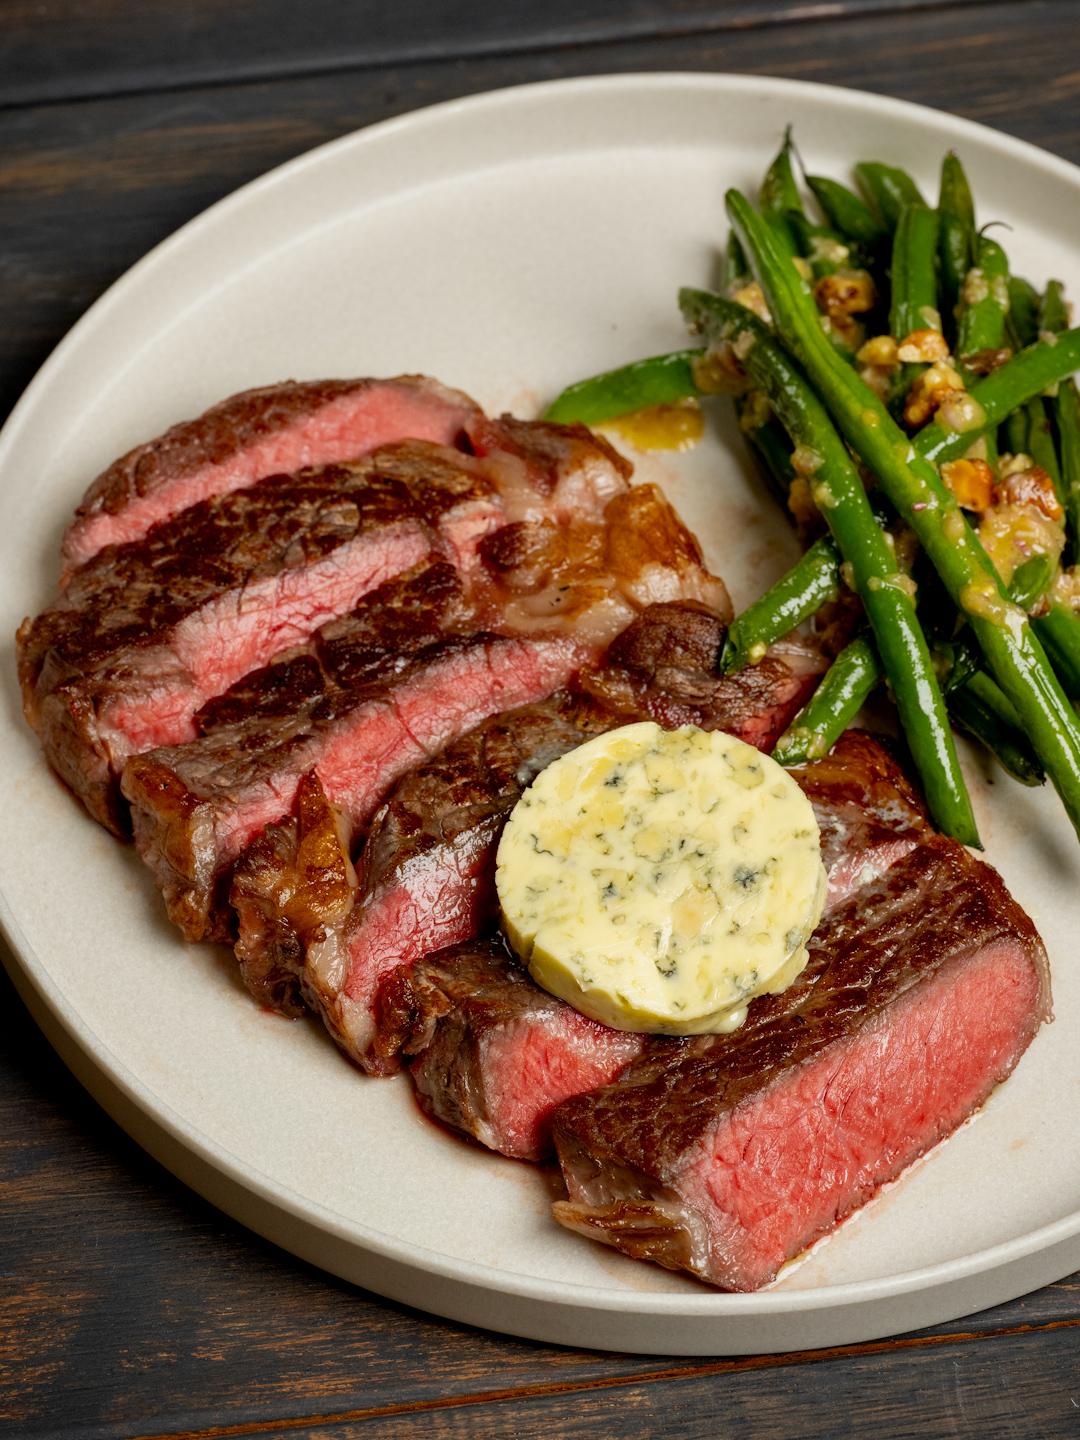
{"x":734,"y":1154}
{"x":491,"y":1043}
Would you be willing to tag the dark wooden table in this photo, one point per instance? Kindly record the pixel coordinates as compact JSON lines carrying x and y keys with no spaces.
{"x":130,"y":1307}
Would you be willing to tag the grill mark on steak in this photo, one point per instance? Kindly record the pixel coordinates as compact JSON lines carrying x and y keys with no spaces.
{"x":412,"y":1007}
{"x":145,"y":634}
{"x":274,"y":429}
{"x":359,"y":726}
{"x":731,"y":1154}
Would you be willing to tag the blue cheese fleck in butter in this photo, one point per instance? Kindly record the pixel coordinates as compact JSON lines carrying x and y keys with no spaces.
{"x":658,"y":880}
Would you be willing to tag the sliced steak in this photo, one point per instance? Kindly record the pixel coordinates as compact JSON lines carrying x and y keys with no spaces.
{"x":731,"y":1154}
{"x":272,"y":430}
{"x":427,"y":874}
{"x":496,"y":1054}
{"x":146,"y":633}
{"x":358,"y":726}
{"x":412,"y":1009}
{"x":869,"y":813}
{"x":665,"y":668}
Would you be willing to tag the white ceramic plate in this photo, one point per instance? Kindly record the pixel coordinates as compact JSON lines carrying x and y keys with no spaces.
{"x":507,"y":244}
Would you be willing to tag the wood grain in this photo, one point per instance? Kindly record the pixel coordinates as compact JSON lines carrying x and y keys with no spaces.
{"x":132,"y":1308}
{"x":70,"y":49}
{"x":87,"y":188}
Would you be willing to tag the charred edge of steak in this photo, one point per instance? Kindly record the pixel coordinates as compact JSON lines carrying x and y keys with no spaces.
{"x":640,"y":1156}
{"x":147,"y":632}
{"x":295,"y":880}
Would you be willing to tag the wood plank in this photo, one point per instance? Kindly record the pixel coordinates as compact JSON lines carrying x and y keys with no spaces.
{"x":69,"y":48}
{"x":953,"y":1391}
{"x":138,"y":1309}
{"x":87,"y":188}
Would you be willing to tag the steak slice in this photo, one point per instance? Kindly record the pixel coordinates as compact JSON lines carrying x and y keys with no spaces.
{"x":731,"y":1154}
{"x":275,"y":429}
{"x":869,"y":813}
{"x":146,"y":633}
{"x":359,"y":726}
{"x":496,"y":1053}
{"x":427,"y":874}
{"x":416,"y":1008}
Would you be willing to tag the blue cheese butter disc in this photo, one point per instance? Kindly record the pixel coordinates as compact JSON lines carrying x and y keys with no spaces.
{"x":657,"y":880}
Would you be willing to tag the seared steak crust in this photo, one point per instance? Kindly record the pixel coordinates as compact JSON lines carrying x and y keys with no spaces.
{"x":665,"y":667}
{"x":638,"y":1156}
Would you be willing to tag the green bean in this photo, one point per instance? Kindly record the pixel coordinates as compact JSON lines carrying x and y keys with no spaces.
{"x":841,"y":497}
{"x":736,"y":271}
{"x":844,"y":690}
{"x":848,"y":215}
{"x":1032,"y":580}
{"x":1059,"y":631}
{"x":1053,"y":317}
{"x":812,"y":580}
{"x":1023,"y":319}
{"x":1014,"y":654}
{"x":661,"y":380}
{"x":984,"y":305}
{"x":1014,"y":433}
{"x":957,"y":250}
{"x":1053,"y":308}
{"x":780,"y":195}
{"x":780,"y":189}
{"x":772,"y":450}
{"x":971,"y":713}
{"x":1067,"y":414}
{"x":1040,"y":443}
{"x":914,"y":287}
{"x":887,"y":190}
{"x":914,"y":278}
{"x":1027,"y":374}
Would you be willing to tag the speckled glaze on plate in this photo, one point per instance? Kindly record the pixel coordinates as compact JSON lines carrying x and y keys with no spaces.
{"x":507,"y":244}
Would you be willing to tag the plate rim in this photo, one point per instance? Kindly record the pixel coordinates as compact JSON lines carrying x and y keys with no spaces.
{"x":708,"y":1305}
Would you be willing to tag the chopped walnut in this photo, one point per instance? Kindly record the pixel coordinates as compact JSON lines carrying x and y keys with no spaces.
{"x":753,"y":297}
{"x":922,"y":347}
{"x":985,"y":362}
{"x":929,"y":390}
{"x":880,"y":352}
{"x":848,"y":292}
{"x":1032,"y":487}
